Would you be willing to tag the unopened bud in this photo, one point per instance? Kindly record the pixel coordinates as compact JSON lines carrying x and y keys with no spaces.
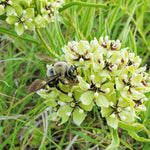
{"x":92,"y":77}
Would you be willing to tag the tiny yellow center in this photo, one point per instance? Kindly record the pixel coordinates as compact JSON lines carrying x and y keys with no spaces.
{"x":118,"y":109}
{"x":72,"y":104}
{"x":22,"y":19}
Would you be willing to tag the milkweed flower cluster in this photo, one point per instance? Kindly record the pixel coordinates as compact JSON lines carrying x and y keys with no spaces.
{"x":110,"y":78}
{"x":26,"y":14}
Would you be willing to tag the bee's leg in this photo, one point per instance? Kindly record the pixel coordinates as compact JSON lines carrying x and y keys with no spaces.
{"x":58,"y":88}
{"x":63,"y":82}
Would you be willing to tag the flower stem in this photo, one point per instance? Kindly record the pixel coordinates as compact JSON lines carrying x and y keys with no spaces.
{"x":48,"y":49}
{"x":82,"y":4}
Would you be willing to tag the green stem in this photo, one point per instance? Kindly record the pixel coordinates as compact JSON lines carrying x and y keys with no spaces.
{"x":48,"y":49}
{"x":82,"y":4}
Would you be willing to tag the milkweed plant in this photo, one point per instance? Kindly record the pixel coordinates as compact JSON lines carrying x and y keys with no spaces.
{"x":25,"y":15}
{"x":110,"y":78}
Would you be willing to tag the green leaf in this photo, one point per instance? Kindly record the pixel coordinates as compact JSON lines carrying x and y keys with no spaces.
{"x":3,"y":17}
{"x":112,"y":19}
{"x":132,"y":42}
{"x":136,"y":127}
{"x":88,"y":20}
{"x":115,"y":140}
{"x":87,"y":138}
{"x":126,"y":29}
{"x":137,"y":138}
{"x":25,"y":37}
{"x":82,"y":4}
{"x":37,"y":6}
{"x":59,"y":32}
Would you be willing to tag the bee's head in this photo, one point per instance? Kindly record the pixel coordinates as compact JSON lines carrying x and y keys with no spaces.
{"x":72,"y":72}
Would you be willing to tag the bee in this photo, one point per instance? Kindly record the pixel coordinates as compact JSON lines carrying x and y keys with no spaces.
{"x":58,"y":72}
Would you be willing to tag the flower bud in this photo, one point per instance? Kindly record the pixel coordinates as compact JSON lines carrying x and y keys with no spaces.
{"x":92,"y":77}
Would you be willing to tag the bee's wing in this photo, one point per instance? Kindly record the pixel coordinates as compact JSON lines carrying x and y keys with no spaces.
{"x":46,"y":59}
{"x":72,"y":82}
{"x":40,"y":83}
{"x":36,"y":85}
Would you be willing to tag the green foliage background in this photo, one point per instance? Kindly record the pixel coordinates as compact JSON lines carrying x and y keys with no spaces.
{"x":126,"y":20}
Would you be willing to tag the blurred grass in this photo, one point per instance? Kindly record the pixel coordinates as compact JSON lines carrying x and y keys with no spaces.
{"x":20,"y":114}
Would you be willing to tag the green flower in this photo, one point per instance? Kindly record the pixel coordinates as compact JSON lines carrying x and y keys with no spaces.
{"x":49,"y":8}
{"x":110,"y":78}
{"x":22,"y":19}
{"x":118,"y":110}
{"x":95,"y":91}
{"x":6,"y":7}
{"x":72,"y":106}
{"x":78,"y":53}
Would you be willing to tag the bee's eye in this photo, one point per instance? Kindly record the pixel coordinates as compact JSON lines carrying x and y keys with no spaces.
{"x":50,"y":72}
{"x":70,"y":71}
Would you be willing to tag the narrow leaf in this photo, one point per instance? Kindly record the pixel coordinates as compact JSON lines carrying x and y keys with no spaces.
{"x":24,"y":37}
{"x":131,"y":127}
{"x":87,"y":138}
{"x":137,"y":138}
